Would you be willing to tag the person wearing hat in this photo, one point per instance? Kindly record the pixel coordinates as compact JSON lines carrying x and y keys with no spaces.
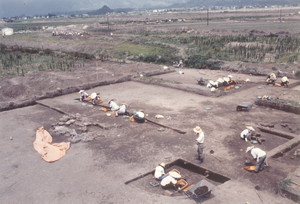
{"x":138,"y":116}
{"x":83,"y":95}
{"x":247,"y":133}
{"x":284,"y":81}
{"x":259,"y":155}
{"x":168,"y":182}
{"x":159,"y":172}
{"x":200,"y":142}
{"x":95,"y":98}
{"x":271,"y":78}
{"x":122,"y":110}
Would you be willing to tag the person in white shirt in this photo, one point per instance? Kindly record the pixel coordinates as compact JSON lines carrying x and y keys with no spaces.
{"x":259,"y":155}
{"x":200,"y":142}
{"x":159,"y":172}
{"x":271,"y":78}
{"x":122,"y":110}
{"x":83,"y":95}
{"x":284,"y":81}
{"x":247,"y":133}
{"x":168,"y":182}
{"x":95,"y":98}
{"x":139,"y":116}
{"x":113,"y":105}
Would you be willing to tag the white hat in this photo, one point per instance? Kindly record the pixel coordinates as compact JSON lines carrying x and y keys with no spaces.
{"x":93,"y":95}
{"x":212,"y":89}
{"x":162,"y":164}
{"x":81,"y":91}
{"x":197,"y":129}
{"x":230,"y":76}
{"x":250,"y":128}
{"x":174,"y":174}
{"x":249,"y":148}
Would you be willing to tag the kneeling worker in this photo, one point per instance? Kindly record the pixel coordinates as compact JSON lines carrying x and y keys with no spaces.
{"x":271,"y":78}
{"x":122,"y":110}
{"x":159,"y":172}
{"x":260,"y":157}
{"x":83,"y":95}
{"x":247,"y":133}
{"x":138,"y":117}
{"x":284,"y":81}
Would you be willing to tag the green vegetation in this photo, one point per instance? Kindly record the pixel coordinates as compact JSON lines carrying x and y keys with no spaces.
{"x":18,"y":61}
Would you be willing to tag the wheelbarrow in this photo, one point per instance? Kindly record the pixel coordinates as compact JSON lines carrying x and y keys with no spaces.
{"x":200,"y":190}
{"x":244,"y":107}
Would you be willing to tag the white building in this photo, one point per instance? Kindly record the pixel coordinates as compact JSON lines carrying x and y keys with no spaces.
{"x":7,"y":31}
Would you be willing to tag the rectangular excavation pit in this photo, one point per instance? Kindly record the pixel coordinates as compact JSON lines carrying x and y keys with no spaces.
{"x":271,"y":141}
{"x":189,"y":171}
{"x":285,"y":150}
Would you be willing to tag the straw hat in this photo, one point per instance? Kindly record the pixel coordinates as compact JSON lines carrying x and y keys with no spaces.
{"x":197,"y":129}
{"x":81,"y":91}
{"x":162,"y":164}
{"x":174,"y":174}
{"x":249,"y":148}
{"x":250,"y":128}
{"x":93,"y":95}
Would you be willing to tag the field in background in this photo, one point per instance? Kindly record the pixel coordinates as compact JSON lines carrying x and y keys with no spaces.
{"x":201,"y":39}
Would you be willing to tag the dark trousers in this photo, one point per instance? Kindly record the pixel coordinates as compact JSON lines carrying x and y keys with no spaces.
{"x":260,"y":164}
{"x":200,"y":151}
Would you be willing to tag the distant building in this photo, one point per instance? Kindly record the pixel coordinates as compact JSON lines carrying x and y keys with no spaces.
{"x":7,"y":31}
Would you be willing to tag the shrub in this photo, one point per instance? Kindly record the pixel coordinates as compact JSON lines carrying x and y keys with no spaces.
{"x":201,"y":62}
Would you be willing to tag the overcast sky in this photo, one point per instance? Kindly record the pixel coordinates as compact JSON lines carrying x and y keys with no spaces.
{"x":9,"y":8}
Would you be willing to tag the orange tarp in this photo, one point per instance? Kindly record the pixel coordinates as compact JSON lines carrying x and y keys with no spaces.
{"x":49,"y":152}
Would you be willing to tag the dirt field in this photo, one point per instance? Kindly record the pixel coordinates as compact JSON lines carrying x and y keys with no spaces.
{"x":107,"y":151}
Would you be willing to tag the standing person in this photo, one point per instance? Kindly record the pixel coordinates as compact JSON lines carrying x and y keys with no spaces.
{"x":159,"y":172}
{"x":247,"y":133}
{"x":83,"y":95}
{"x":200,"y":142}
{"x":259,"y":155}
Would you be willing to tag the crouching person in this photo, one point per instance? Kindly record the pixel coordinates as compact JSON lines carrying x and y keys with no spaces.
{"x":284,"y":81}
{"x":260,"y":157}
{"x":159,"y":173}
{"x":247,"y":133}
{"x":96,"y":98}
{"x":168,"y":182}
{"x":83,"y":95}
{"x":122,"y":110}
{"x":138,"y":117}
{"x":271,"y":78}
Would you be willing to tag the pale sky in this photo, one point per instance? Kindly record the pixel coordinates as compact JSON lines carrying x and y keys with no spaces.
{"x":10,"y":8}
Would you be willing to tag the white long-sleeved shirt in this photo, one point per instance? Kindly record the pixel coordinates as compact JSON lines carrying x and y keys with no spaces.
{"x":113,"y":106}
{"x":168,"y":180}
{"x":159,"y":171}
{"x":244,"y":134}
{"x":200,"y":138}
{"x":257,"y":153}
